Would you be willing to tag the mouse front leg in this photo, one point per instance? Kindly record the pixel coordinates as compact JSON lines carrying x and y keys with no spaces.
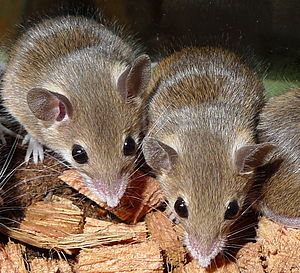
{"x":35,"y":148}
{"x":5,"y":131}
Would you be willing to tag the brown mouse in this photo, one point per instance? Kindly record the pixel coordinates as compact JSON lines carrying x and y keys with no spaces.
{"x":75,"y":86}
{"x":280,"y":125}
{"x":202,"y":113}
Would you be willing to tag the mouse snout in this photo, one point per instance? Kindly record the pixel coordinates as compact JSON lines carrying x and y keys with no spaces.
{"x":112,"y":191}
{"x":203,"y":250}
{"x":109,"y":189}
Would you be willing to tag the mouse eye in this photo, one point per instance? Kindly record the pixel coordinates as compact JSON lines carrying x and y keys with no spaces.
{"x":232,"y":210}
{"x":181,"y":208}
{"x":129,"y":146}
{"x":79,"y":154}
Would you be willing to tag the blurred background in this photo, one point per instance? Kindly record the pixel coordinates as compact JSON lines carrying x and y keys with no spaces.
{"x":269,"y":29}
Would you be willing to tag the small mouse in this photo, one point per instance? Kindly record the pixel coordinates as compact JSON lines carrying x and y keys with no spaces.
{"x":201,"y":117}
{"x":280,"y":124}
{"x":75,"y":85}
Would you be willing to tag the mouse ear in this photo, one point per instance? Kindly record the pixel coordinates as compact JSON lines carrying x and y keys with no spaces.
{"x":47,"y":105}
{"x":158,"y":155}
{"x":135,"y":79}
{"x":248,"y":158}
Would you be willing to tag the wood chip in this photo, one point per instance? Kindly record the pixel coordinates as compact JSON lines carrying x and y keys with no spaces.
{"x":54,"y":219}
{"x":250,"y":259}
{"x":193,"y":267}
{"x":11,"y":260}
{"x":49,"y":225}
{"x":281,"y":245}
{"x":39,"y":265}
{"x":58,"y":225}
{"x":141,"y":257}
{"x":142,"y":195}
{"x":138,"y":232}
{"x":277,"y":250}
{"x":162,"y":231}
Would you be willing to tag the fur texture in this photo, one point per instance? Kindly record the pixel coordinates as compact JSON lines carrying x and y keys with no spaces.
{"x":204,"y":104}
{"x":83,"y":61}
{"x":280,"y":124}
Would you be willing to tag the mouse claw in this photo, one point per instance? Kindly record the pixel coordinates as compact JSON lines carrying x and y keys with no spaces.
{"x":35,"y":148}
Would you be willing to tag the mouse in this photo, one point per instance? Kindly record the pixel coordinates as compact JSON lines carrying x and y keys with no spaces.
{"x":280,"y":192}
{"x":75,"y":86}
{"x":201,"y":116}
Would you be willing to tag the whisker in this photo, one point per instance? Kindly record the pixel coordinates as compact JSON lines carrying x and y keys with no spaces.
{"x":157,"y":122}
{"x":8,"y":158}
{"x":9,"y":175}
{"x":140,"y":176}
{"x":226,"y":254}
{"x":58,"y":160}
{"x":244,"y":228}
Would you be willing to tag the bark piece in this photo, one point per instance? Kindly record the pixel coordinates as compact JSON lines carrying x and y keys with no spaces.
{"x":140,"y":257}
{"x":162,"y":232}
{"x":277,"y":250}
{"x":54,"y":219}
{"x":281,"y":245}
{"x":11,"y":260}
{"x":142,"y":195}
{"x":59,"y":226}
{"x":39,"y":265}
{"x":250,"y":258}
{"x":193,"y":267}
{"x":137,"y":232}
{"x":49,"y":225}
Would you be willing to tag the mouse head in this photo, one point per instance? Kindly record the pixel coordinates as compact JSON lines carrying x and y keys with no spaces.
{"x":92,"y":119}
{"x":206,"y":187}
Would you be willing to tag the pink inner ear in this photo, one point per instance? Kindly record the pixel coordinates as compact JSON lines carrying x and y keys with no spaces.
{"x":62,"y":112}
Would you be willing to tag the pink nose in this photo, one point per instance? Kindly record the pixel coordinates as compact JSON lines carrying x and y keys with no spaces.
{"x":204,"y":252}
{"x":110,"y":194}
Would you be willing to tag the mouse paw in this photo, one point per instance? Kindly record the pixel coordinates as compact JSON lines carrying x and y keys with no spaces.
{"x":5,"y":131}
{"x":35,"y":148}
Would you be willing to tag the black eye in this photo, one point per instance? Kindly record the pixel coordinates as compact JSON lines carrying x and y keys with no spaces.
{"x":129,"y":146}
{"x":180,"y":208}
{"x":232,"y":210}
{"x":79,"y":154}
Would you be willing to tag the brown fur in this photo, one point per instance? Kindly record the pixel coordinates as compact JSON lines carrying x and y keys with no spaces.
{"x":204,"y":103}
{"x":82,"y":60}
{"x":280,"y":124}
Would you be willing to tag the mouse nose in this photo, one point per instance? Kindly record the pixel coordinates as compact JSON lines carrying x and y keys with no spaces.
{"x":112,"y":192}
{"x":112,"y":200}
{"x":203,"y":251}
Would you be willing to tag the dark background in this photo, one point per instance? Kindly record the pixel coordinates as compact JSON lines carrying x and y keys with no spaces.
{"x":270,"y":29}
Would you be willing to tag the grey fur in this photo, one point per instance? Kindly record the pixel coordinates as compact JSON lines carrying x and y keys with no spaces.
{"x":204,"y":104}
{"x":82,"y":60}
{"x":280,"y":124}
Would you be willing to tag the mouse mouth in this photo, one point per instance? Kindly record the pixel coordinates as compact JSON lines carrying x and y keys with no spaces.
{"x":110,"y":194}
{"x":203,"y":253}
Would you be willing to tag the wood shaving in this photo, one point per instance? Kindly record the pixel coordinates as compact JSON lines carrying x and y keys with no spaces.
{"x":58,"y":225}
{"x":142,"y":195}
{"x":39,"y":265}
{"x":11,"y":259}
{"x":141,"y":257}
{"x":277,"y":250}
{"x":163,"y":233}
{"x":138,"y":232}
